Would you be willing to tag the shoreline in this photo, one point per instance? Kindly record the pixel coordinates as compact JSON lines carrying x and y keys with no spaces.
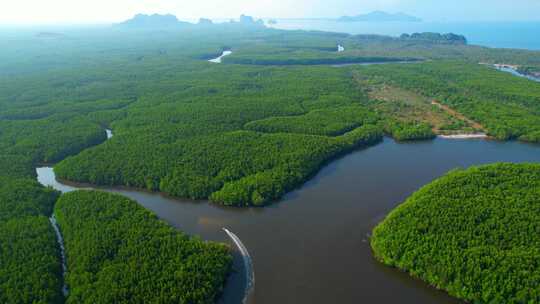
{"x":512,"y":69}
{"x":464,"y":136}
{"x":242,"y":230}
{"x":326,"y":161}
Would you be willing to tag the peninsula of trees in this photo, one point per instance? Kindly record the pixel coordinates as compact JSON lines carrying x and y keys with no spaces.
{"x":474,"y":233}
{"x":118,"y":252}
{"x":242,"y":133}
{"x":261,"y":123}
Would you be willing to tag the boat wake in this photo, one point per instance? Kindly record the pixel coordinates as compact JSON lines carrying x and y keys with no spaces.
{"x":248,"y":265}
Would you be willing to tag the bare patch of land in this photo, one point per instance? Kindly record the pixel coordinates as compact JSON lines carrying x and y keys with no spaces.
{"x":458,"y":115}
{"x":407,"y":106}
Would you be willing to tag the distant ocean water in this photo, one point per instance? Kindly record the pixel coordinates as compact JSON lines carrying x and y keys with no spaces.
{"x":521,"y":35}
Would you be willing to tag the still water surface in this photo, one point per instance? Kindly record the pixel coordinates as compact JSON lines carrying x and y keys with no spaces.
{"x":521,"y":35}
{"x":312,"y":247}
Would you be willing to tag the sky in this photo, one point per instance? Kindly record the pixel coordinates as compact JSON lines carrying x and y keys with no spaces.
{"x":17,"y":12}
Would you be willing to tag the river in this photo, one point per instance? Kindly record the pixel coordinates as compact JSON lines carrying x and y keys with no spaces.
{"x":515,"y":72}
{"x":219,"y":58}
{"x":313,"y":245}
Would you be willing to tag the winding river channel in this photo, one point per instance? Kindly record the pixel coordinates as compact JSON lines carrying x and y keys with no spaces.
{"x":313,"y":245}
{"x":219,"y":58}
{"x":516,"y":73}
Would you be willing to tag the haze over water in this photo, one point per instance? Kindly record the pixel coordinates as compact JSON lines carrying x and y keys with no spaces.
{"x":522,"y":35}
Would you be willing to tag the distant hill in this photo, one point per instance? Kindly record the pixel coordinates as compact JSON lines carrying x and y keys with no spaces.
{"x":205,"y":21}
{"x":152,"y":21}
{"x":436,"y":37}
{"x":250,"y":21}
{"x":379,"y":16}
{"x":156,"y":21}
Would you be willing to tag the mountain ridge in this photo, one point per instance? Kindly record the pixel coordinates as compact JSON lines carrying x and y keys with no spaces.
{"x":152,"y":21}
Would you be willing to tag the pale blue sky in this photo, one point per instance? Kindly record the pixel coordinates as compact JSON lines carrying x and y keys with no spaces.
{"x":107,"y":11}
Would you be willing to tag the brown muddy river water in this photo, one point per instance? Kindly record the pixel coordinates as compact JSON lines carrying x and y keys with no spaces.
{"x":313,"y":245}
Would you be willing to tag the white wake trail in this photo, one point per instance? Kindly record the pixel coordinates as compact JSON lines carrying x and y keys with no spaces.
{"x":248,"y":265}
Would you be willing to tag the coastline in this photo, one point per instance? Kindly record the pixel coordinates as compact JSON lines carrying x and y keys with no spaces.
{"x":464,"y":136}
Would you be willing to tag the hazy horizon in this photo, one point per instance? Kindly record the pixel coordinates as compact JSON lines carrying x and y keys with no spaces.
{"x":78,"y":12}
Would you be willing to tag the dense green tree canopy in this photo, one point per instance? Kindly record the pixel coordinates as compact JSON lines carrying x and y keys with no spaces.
{"x":507,"y":106}
{"x":474,"y":233}
{"x":30,"y":269}
{"x":241,"y":133}
{"x":118,"y":252}
{"x":192,"y":128}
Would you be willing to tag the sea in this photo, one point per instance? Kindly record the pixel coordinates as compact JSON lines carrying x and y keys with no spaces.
{"x":519,"y":35}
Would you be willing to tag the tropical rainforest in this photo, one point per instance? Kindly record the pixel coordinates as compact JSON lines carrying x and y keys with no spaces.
{"x":474,"y":233}
{"x":504,"y":107}
{"x":195,"y":129}
{"x":242,"y":133}
{"x":30,"y":268}
{"x":119,"y":252}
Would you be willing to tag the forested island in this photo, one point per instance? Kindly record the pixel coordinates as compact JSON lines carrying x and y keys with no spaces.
{"x":240,"y":133}
{"x":473,"y":233}
{"x":436,"y":37}
{"x":379,"y":16}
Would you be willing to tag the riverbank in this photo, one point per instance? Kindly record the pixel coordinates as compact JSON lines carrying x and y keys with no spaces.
{"x":514,"y":70}
{"x":516,"y":35}
{"x":442,"y":211}
{"x":464,"y":136}
{"x":336,"y":209}
{"x":234,"y":288}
